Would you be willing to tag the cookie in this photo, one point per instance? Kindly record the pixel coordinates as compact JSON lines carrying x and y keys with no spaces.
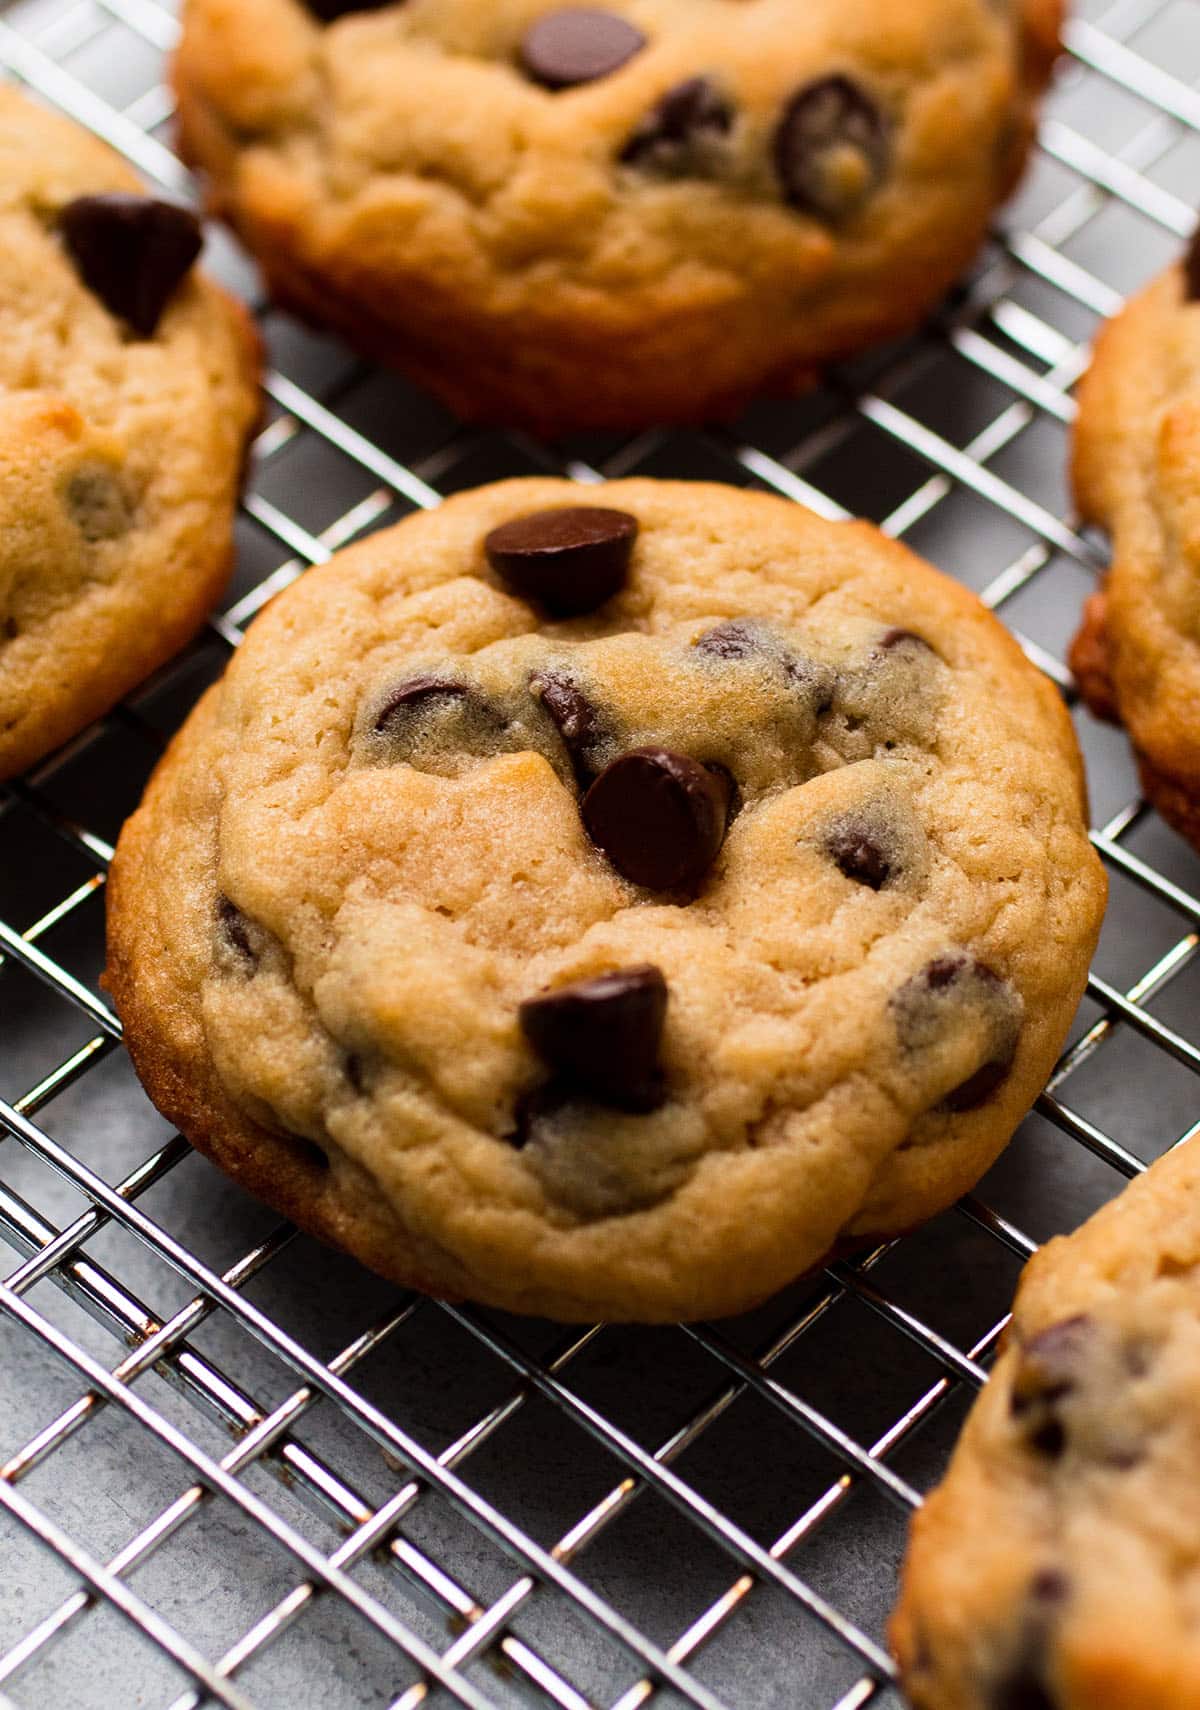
{"x":607,"y":901}
{"x":1137,"y":474}
{"x":578,"y":216}
{"x":1057,"y":1566}
{"x":127,"y":391}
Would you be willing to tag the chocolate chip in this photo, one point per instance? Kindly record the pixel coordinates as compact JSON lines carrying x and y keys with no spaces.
{"x":306,"y":1151}
{"x":1047,"y":1372}
{"x":577,"y":45}
{"x":1049,"y":1587}
{"x":659,"y":817}
{"x":132,"y":251}
{"x":574,"y":716}
{"x":924,"y":1008}
{"x":737,"y":639}
{"x":859,"y":856}
{"x":1022,"y":1685}
{"x":817,"y":681}
{"x":1137,"y":1354}
{"x":1049,"y":1439}
{"x":675,"y":135}
{"x":535,"y":1107}
{"x":234,"y":929}
{"x":743,"y":638}
{"x":415,"y":697}
{"x":978,"y":1088}
{"x":99,"y":507}
{"x":328,"y":10}
{"x":892,"y":638}
{"x":1022,"y":1689}
{"x":589,"y":1163}
{"x":569,"y":559}
{"x":1191,"y":269}
{"x":1050,"y":1362}
{"x":831,"y":148}
{"x":1124,"y":1457}
{"x":602,"y":1035}
{"x":733,"y":793}
{"x":943,"y":971}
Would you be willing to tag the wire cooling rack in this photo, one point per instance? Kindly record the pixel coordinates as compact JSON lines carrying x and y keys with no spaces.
{"x":285,"y":1485}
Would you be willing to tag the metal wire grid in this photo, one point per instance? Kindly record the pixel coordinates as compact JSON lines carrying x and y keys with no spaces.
{"x":1021,"y":327}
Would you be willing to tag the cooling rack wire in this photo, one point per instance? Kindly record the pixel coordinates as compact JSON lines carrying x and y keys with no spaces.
{"x":293,"y":1487}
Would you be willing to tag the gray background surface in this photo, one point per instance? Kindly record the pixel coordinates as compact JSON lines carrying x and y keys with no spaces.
{"x":956,"y":440}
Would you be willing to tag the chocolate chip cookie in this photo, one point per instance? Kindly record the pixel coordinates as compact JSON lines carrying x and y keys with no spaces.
{"x":1057,"y":1567}
{"x":1137,"y":472}
{"x":567,"y":216}
{"x":127,"y":390}
{"x":609,"y":900}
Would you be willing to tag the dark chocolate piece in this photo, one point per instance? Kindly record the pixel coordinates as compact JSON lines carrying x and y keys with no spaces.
{"x":660,"y":817}
{"x":824,"y":126}
{"x":569,"y":559}
{"x":602,"y":1035}
{"x":676,"y":134}
{"x":131,"y":251}
{"x":577,"y":45}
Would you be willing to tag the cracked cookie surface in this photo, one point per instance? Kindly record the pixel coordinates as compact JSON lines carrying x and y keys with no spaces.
{"x":1058,"y":1565}
{"x":576,"y":216}
{"x":1137,"y":473}
{"x":127,"y":390}
{"x":619,"y":964}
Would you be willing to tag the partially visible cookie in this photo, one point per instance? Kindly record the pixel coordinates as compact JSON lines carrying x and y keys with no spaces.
{"x":1137,"y":473}
{"x":566,"y":216}
{"x":1058,"y":1565}
{"x":127,"y":391}
{"x":608,"y":901}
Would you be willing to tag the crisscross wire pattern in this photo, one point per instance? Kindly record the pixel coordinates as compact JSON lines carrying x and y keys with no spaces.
{"x":236,"y":1470}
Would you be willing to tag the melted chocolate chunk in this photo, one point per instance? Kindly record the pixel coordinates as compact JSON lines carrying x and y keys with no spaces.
{"x":1049,"y":1588}
{"x":1050,"y":1363}
{"x":924,"y":1006}
{"x":306,"y":1151}
{"x":602,"y":1035}
{"x":1022,"y":1689}
{"x":1191,"y":269}
{"x":859,"y":856}
{"x":234,"y":929}
{"x":434,"y":722}
{"x":733,"y":798}
{"x":831,"y":148}
{"x":677,"y":134}
{"x":660,"y":817}
{"x":737,"y":639}
{"x":1048,"y":1371}
{"x":743,"y":638}
{"x":590,"y":1163}
{"x":328,"y":10}
{"x":944,"y":971}
{"x":978,"y":1088}
{"x":892,"y":638}
{"x":569,"y":559}
{"x":575,"y":717}
{"x":413,"y":698}
{"x":99,"y":507}
{"x":539,"y":1105}
{"x":131,"y":251}
{"x":578,"y":45}
{"x":817,"y":681}
{"x":1023,"y":1684}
